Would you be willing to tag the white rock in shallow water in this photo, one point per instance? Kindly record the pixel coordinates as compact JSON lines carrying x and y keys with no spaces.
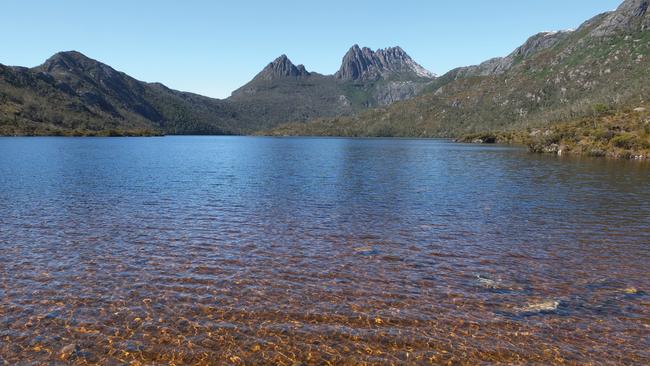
{"x":496,"y":284}
{"x":549,"y":305}
{"x":487,"y":283}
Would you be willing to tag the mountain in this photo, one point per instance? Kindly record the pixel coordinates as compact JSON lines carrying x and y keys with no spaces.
{"x":281,"y":68}
{"x":72,"y":93}
{"x":390,"y":63}
{"x":553,"y":76}
{"x":284,"y":92}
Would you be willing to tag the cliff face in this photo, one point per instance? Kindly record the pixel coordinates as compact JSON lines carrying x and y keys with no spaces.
{"x":390,"y":63}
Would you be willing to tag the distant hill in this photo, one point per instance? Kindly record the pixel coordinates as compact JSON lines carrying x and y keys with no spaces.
{"x":73,"y":94}
{"x":554,"y":76}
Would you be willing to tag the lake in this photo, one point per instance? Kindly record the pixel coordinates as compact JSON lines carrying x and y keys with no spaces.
{"x":249,"y":250}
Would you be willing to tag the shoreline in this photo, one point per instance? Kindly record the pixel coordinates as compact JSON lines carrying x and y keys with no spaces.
{"x":615,"y":134}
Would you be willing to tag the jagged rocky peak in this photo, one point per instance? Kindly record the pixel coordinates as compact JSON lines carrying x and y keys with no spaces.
{"x":282,"y":67}
{"x":366,"y":64}
{"x":631,"y":16}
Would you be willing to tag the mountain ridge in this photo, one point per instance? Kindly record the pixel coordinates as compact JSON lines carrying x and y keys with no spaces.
{"x":553,"y":76}
{"x":365,"y":64}
{"x":286,"y":92}
{"x":382,"y":92}
{"x":73,"y":92}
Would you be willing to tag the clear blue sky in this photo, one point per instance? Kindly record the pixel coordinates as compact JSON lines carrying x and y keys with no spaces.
{"x":213,"y":47}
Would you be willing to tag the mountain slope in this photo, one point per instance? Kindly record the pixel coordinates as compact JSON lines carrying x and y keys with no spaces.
{"x":71,"y":93}
{"x":552,"y":77}
{"x":285,"y":92}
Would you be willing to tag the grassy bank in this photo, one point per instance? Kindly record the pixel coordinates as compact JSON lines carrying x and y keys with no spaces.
{"x":620,"y":134}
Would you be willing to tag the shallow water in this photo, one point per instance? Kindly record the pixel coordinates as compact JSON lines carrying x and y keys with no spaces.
{"x":212,"y":250}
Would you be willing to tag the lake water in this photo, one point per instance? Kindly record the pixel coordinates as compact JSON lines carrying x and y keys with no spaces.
{"x":243,"y":250}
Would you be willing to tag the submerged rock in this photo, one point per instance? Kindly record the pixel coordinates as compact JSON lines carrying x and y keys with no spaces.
{"x":631,"y":291}
{"x":368,"y":250}
{"x":496,"y":284}
{"x":68,"y":351}
{"x":540,"y":307}
{"x":486,"y":282}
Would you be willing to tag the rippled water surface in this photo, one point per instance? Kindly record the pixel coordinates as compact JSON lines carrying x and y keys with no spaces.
{"x":236,"y":250}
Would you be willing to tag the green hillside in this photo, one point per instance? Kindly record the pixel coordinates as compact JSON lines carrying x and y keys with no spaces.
{"x":554,"y":77}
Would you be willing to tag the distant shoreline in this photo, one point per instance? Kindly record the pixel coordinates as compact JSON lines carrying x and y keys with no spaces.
{"x":622,"y":134}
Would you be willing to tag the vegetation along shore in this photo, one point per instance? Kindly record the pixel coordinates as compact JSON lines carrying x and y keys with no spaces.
{"x":620,"y":134}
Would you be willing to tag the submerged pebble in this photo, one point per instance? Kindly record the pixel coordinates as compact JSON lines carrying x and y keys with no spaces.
{"x":68,"y":351}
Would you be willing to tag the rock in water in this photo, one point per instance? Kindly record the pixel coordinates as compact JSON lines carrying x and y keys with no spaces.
{"x":497,"y":284}
{"x":632,"y":15}
{"x":540,"y":307}
{"x":68,"y":351}
{"x":486,"y":282}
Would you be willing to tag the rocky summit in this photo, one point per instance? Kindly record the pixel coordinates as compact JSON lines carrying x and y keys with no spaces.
{"x":390,"y":63}
{"x":282,"y":67}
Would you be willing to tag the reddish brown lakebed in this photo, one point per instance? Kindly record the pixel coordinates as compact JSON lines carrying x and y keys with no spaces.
{"x":236,"y":250}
